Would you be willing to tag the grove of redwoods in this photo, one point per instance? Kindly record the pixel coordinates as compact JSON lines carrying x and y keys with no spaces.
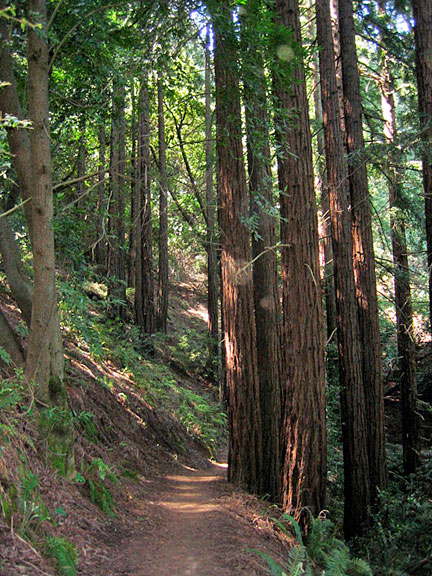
{"x":287,"y":147}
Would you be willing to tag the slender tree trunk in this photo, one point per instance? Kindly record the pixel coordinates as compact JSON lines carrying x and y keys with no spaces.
{"x":422,"y":10}
{"x":363,"y":255}
{"x":211,"y":241}
{"x":162,"y":316}
{"x":354,"y":430}
{"x":101,"y":244}
{"x":17,"y":277}
{"x":18,"y":139}
{"x":303,"y":409}
{"x":10,"y":343}
{"x":404,"y":319}
{"x":245,"y":451}
{"x":322,"y":186}
{"x":81,"y":162}
{"x":116,"y":245}
{"x":144,"y":286}
{"x":268,"y":315}
{"x":135,"y":199}
{"x":44,"y":365}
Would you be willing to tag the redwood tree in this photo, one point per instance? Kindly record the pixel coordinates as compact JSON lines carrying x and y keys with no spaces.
{"x":162,"y":312}
{"x":245,"y":452}
{"x":422,"y":10}
{"x":303,"y":409}
{"x":354,"y":430}
{"x":265,"y":275}
{"x":363,"y":255}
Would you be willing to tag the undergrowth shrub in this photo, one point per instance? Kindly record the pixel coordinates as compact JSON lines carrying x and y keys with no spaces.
{"x":97,"y":476}
{"x":321,"y":553}
{"x":64,"y":552}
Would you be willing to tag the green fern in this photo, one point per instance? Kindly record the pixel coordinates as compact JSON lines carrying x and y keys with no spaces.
{"x":64,"y":552}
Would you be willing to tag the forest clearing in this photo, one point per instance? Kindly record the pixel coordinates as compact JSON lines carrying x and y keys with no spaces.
{"x":216,"y":287}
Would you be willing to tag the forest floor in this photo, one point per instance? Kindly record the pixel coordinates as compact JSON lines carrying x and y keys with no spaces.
{"x":167,"y":508}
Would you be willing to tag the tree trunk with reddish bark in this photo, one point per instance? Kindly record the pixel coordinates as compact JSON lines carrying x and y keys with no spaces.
{"x":363,"y":254}
{"x":354,"y":428}
{"x":303,"y":408}
{"x":245,"y":448}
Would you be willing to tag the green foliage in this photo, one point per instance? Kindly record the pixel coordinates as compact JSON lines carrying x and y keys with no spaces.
{"x":31,"y":509}
{"x":64,"y":552}
{"x":321,"y":554}
{"x":86,"y":421}
{"x":96,"y":476}
{"x":401,"y":536}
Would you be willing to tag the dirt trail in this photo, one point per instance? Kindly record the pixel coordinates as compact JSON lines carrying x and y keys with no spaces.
{"x":189,"y":527}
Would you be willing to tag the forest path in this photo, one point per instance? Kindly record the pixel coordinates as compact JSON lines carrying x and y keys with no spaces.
{"x":188,"y":526}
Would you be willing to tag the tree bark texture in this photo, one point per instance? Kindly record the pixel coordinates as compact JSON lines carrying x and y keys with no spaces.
{"x":363,"y":254}
{"x":303,"y":407}
{"x":18,"y":138}
{"x":17,"y":277}
{"x":422,"y":11}
{"x":135,"y":193}
{"x":101,"y":243}
{"x":404,"y":318}
{"x":10,"y":343}
{"x":144,"y":280}
{"x":354,"y":431}
{"x":211,"y":237}
{"x":245,"y":450}
{"x":268,"y":316}
{"x":44,"y":366}
{"x":162,"y":316}
{"x":116,"y":244}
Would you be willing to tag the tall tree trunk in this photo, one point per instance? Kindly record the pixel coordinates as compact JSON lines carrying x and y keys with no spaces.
{"x":303,"y":409}
{"x":44,"y":365}
{"x":212,"y":264}
{"x":404,"y":319}
{"x":116,"y":245}
{"x":162,"y":316}
{"x":245,"y":450}
{"x":135,"y":198}
{"x":81,"y":162}
{"x":354,"y":430}
{"x":101,"y":244}
{"x":268,"y":315}
{"x":329,"y":289}
{"x":363,"y":255}
{"x":422,"y":10}
{"x":144,"y":283}
{"x":18,"y":139}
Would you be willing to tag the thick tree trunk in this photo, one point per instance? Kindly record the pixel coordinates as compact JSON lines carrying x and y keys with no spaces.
{"x":354,"y":430}
{"x":44,"y":365}
{"x":144,"y":281}
{"x":404,"y":319}
{"x":162,"y":316}
{"x":245,"y":450}
{"x":211,"y":240}
{"x":303,"y":425}
{"x":422,"y":10}
{"x":363,"y":255}
{"x":101,"y":244}
{"x":116,"y":245}
{"x":268,"y":316}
